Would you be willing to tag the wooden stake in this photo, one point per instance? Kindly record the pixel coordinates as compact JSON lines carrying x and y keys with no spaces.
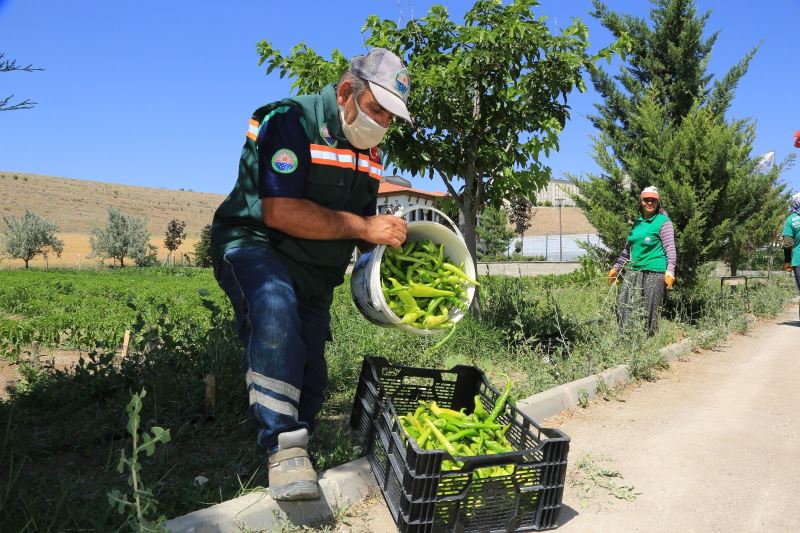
{"x":35,"y":354}
{"x":211,"y":392}
{"x":125,"y":342}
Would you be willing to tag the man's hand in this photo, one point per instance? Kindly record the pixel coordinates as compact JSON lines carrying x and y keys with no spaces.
{"x":669,"y":279}
{"x":787,"y":267}
{"x":385,"y":229}
{"x":612,"y":276}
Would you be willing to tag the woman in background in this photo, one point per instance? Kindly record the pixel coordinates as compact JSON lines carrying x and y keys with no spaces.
{"x":650,"y":255}
{"x":791,"y":239}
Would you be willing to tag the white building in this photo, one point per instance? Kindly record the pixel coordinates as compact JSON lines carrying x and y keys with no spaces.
{"x":396,"y":194}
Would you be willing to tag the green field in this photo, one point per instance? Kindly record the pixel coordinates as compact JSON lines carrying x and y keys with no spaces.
{"x":62,"y":431}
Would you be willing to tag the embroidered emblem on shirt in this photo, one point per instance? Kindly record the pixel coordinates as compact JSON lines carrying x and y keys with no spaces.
{"x":402,"y":82}
{"x":284,"y":161}
{"x":326,"y":136}
{"x":375,"y":154}
{"x":647,"y":240}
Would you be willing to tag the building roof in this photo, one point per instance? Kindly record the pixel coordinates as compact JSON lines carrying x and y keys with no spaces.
{"x":390,"y":189}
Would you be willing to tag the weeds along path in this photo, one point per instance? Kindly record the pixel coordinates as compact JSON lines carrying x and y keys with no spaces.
{"x":712,"y":446}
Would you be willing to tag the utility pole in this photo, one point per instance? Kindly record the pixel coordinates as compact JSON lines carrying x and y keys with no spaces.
{"x":560,"y":203}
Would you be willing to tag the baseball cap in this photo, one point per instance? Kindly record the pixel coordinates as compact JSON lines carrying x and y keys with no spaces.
{"x":388,"y":80}
{"x":649,"y":192}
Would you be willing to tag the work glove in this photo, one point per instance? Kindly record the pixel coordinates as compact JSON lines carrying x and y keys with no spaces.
{"x":787,"y":267}
{"x":612,"y":276}
{"x":669,"y":279}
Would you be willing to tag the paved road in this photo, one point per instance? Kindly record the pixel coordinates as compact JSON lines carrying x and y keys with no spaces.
{"x":714,"y":446}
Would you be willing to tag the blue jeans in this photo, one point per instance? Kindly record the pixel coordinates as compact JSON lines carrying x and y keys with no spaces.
{"x":284,"y":342}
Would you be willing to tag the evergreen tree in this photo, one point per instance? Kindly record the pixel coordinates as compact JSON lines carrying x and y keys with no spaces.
{"x":202,"y":248}
{"x":493,"y":229}
{"x":29,"y":236}
{"x":662,"y":122}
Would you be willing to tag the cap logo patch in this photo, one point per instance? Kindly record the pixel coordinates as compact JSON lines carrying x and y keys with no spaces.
{"x":326,"y":136}
{"x":284,"y":161}
{"x":402,"y":82}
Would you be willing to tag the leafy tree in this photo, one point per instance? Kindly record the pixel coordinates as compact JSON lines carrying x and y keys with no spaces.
{"x":202,"y":248}
{"x":10,"y":65}
{"x":175,"y":235}
{"x":146,"y":257}
{"x":123,"y":236}
{"x":29,"y":236}
{"x":488,"y":96}
{"x":662,"y":122}
{"x":493,"y":229}
{"x":521,"y":215}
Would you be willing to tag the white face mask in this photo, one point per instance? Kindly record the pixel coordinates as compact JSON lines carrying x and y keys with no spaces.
{"x":364,"y":132}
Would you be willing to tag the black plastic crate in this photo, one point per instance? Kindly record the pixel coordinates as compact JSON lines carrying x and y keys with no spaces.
{"x":422,"y":498}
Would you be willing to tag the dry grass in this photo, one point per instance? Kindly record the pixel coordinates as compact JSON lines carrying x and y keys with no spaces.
{"x":573,"y":221}
{"x":76,"y":206}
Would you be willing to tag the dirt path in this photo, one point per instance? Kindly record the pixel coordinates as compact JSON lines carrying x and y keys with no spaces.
{"x":713,"y":446}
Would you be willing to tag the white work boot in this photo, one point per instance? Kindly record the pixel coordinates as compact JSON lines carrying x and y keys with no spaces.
{"x":291,"y":475}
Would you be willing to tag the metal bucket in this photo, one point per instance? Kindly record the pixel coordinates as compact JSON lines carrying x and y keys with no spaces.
{"x":365,"y":282}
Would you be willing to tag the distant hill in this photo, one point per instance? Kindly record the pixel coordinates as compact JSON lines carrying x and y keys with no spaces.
{"x":74,"y":205}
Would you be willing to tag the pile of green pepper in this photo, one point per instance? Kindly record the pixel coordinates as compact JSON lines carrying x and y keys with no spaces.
{"x":461,"y":434}
{"x":421,"y":285}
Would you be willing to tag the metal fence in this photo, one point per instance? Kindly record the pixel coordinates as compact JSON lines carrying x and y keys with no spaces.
{"x":554,"y":247}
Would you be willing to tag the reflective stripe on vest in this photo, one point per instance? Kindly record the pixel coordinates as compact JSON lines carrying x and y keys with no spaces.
{"x":339,"y":157}
{"x":252,"y":130}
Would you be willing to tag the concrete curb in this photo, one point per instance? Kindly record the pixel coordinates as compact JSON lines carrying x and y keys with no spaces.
{"x":342,"y":486}
{"x":349,"y":483}
{"x":551,"y":402}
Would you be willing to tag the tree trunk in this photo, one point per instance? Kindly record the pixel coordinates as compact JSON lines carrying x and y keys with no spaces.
{"x":26,"y":263}
{"x":734,"y":266}
{"x":122,"y":262}
{"x":468,"y":209}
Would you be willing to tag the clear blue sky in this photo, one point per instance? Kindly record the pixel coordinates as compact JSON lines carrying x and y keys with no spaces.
{"x":158,"y":94}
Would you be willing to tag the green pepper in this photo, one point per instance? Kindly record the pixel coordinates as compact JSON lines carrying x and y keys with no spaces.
{"x":423,"y":437}
{"x":479,"y":409}
{"x":444,"y":411}
{"x":497,"y":448}
{"x":458,"y":272}
{"x":433,"y":304}
{"x":500,"y":404}
{"x":425,"y":291}
{"x":433,"y":320}
{"x":408,"y":259}
{"x":407,"y":299}
{"x":441,"y":438}
{"x":463,"y":433}
{"x":411,"y":316}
